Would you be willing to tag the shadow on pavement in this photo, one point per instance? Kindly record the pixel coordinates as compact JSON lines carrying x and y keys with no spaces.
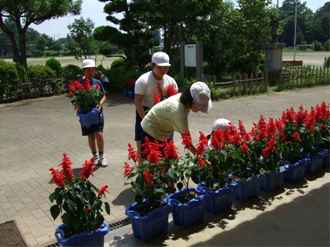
{"x":124,"y":198}
{"x":303,"y":222}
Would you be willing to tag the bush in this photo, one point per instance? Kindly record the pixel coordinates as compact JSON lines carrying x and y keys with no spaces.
{"x":40,"y":72}
{"x":317,"y":46}
{"x":55,"y":65}
{"x":120,"y":75}
{"x":327,"y":45}
{"x":8,"y":79}
{"x":119,"y":62}
{"x":71,"y":72}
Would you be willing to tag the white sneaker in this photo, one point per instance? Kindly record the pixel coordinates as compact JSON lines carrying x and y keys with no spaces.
{"x":103,"y":162}
{"x":96,"y":160}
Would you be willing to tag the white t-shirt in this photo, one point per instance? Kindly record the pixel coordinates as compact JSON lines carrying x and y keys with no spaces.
{"x":146,"y":85}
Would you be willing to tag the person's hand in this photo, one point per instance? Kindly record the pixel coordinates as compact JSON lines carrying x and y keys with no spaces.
{"x":98,"y":106}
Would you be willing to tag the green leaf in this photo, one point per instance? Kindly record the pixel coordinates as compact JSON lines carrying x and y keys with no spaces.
{"x":55,"y":211}
{"x":107,"y":207}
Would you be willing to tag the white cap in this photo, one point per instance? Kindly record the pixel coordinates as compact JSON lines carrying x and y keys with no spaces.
{"x":221,"y":123}
{"x":161,"y":59}
{"x":200,"y":88}
{"x":88,"y":63}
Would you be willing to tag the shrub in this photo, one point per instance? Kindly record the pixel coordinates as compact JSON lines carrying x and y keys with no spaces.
{"x":8,"y":79}
{"x":71,"y":72}
{"x":119,"y":76}
{"x":327,"y":45}
{"x":40,"y":72}
{"x":55,"y":65}
{"x":118,"y":62}
{"x":318,"y":46}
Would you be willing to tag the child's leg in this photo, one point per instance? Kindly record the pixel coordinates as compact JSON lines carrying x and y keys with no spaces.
{"x":92,"y":143}
{"x":100,"y":146}
{"x":99,"y":141}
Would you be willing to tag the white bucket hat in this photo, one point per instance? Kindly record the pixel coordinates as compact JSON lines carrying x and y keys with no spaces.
{"x":200,"y":88}
{"x":88,"y":63}
{"x":221,"y":123}
{"x":161,"y":59}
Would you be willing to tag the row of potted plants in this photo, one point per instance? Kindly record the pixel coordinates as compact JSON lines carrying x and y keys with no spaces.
{"x":227,"y":165}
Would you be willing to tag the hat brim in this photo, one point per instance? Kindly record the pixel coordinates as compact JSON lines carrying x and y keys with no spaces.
{"x":88,"y":66}
{"x":163,"y":64}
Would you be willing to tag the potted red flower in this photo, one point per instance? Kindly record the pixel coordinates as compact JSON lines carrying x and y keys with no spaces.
{"x":187,"y":204}
{"x":80,"y":205}
{"x":213,"y":174}
{"x":85,"y":98}
{"x":150,"y":183}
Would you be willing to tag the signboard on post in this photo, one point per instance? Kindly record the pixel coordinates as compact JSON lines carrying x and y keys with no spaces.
{"x":190,"y":55}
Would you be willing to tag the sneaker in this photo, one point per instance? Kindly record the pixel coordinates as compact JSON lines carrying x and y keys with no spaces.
{"x":96,"y":160}
{"x":103,"y":162}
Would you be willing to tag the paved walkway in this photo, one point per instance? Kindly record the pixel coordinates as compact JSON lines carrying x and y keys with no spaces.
{"x":35,"y":133}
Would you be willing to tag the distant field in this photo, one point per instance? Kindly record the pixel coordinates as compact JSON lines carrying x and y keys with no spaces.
{"x":105,"y":61}
{"x":308,"y":57}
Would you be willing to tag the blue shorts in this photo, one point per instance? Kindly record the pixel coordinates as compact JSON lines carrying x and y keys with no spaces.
{"x":94,"y":128}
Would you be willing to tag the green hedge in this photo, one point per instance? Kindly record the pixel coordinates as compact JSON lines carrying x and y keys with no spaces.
{"x":8,"y":79}
{"x":55,"y":65}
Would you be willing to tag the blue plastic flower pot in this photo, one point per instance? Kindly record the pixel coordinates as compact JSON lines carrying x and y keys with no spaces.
{"x":85,"y":239}
{"x":326,"y":159}
{"x":216,"y":201}
{"x":189,"y":213}
{"x":89,"y":119}
{"x":248,"y":188}
{"x":272,"y":181}
{"x":315,"y":164}
{"x":151,"y":225}
{"x":296,"y":172}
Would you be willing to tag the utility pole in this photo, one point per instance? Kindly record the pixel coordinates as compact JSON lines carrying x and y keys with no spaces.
{"x":295,"y":31}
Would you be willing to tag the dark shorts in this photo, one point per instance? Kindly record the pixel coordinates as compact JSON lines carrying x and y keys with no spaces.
{"x":139,"y":133}
{"x":94,"y":128}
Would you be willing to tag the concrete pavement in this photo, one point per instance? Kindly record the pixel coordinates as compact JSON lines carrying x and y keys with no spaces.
{"x":35,"y":133}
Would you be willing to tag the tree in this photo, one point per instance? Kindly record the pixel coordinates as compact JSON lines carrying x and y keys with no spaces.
{"x":133,"y":35}
{"x":304,"y":22}
{"x":22,"y":13}
{"x":81,"y":41}
{"x":321,"y":25}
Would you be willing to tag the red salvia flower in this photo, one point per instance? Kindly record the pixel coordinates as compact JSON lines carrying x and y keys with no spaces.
{"x":57,"y":177}
{"x":67,"y":167}
{"x":154,"y":156}
{"x":87,"y":169}
{"x":217,"y":139}
{"x":296,"y":136}
{"x":186,"y":140}
{"x":132,"y":154}
{"x":102,"y":190}
{"x":148,"y":177}
{"x":171,"y":90}
{"x":86,"y":85}
{"x":244,"y":148}
{"x":127,"y":169}
{"x":170,"y":151}
{"x":202,"y":144}
{"x":269,"y":148}
{"x":156,"y":98}
{"x":201,"y":162}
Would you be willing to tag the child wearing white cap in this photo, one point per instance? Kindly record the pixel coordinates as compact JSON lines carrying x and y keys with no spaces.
{"x":171,"y":114}
{"x":220,"y":123}
{"x":95,"y":132}
{"x":151,"y":88}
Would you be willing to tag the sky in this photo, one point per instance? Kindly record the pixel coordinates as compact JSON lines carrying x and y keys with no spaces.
{"x":93,"y":9}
